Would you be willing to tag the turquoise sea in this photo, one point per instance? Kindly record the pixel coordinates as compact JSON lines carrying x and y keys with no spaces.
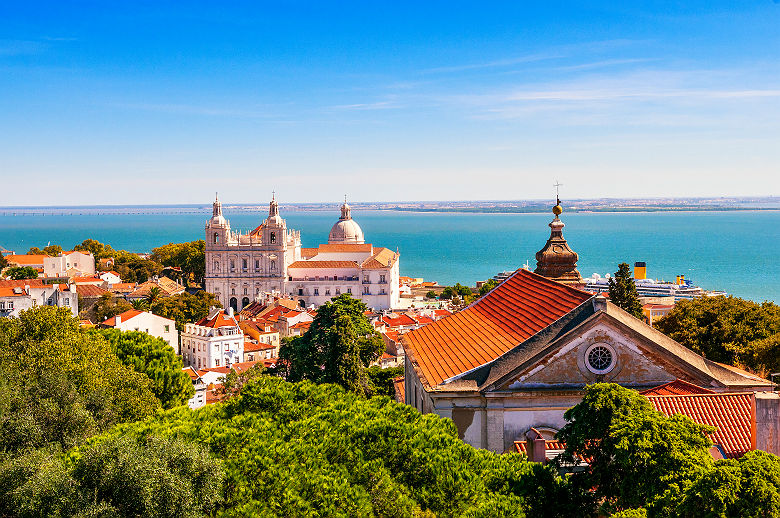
{"x":738,"y":252}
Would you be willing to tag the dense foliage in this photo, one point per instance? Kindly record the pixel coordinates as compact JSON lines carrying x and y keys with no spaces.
{"x":185,"y":307}
{"x":622,"y":291}
{"x":61,"y":385}
{"x":109,"y":305}
{"x":21,"y":272}
{"x":728,"y":330}
{"x":155,"y":358}
{"x":381,"y":380}
{"x":126,"y":476}
{"x":307,"y":450}
{"x":190,"y":257}
{"x":643,"y":461}
{"x":338,"y":347}
{"x":50,"y":250}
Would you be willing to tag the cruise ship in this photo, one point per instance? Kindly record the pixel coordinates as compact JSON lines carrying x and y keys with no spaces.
{"x":680,"y":289}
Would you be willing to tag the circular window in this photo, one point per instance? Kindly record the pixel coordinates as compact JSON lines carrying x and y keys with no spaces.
{"x":599,"y":359}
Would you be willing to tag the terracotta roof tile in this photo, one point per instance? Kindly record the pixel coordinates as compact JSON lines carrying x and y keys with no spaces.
{"x":345,"y":247}
{"x":518,"y":308}
{"x":8,"y":291}
{"x":733,"y":415}
{"x":399,"y":320}
{"x":676,"y":388}
{"x":90,"y":290}
{"x":125,"y":316}
{"x":21,"y":283}
{"x":26,"y":259}
{"x":220,"y":319}
{"x":382,"y":258}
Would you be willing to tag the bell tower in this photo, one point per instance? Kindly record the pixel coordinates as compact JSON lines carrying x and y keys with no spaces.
{"x":217,"y":228}
{"x":556,"y":260}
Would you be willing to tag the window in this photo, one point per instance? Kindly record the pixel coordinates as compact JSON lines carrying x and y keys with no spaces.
{"x":257,"y":264}
{"x":216,"y":362}
{"x":245,"y":293}
{"x":167,"y":328}
{"x":243,"y":264}
{"x":316,"y":291}
{"x":273,"y":237}
{"x":216,"y":238}
{"x":232,"y":265}
{"x":216,"y":266}
{"x":300,"y":292}
{"x":382,"y":292}
{"x":327,"y":291}
{"x":273,"y":264}
{"x":232,"y":291}
{"x":349,"y":290}
{"x":2,"y":305}
{"x":382,"y":278}
{"x":67,"y":302}
{"x":338,"y":291}
{"x":365,"y":290}
{"x":600,"y":358}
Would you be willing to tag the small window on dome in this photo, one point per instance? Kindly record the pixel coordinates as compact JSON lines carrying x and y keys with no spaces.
{"x":216,"y":237}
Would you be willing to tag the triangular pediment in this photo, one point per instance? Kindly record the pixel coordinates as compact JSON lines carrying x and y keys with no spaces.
{"x":599,"y":349}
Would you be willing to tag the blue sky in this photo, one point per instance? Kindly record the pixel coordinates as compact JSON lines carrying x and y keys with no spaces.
{"x":157,"y":102}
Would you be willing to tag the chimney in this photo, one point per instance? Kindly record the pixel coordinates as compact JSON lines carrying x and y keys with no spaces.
{"x":599,"y":303}
{"x":118,"y":320}
{"x":536,"y":447}
{"x":229,"y":311}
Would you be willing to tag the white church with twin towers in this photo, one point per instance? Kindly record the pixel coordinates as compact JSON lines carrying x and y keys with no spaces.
{"x":241,"y":266}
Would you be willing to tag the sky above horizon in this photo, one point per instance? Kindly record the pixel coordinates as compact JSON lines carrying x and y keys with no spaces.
{"x":167,"y":102}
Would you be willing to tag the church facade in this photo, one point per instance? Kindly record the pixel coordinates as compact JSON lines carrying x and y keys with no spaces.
{"x":241,"y":266}
{"x":508,"y":366}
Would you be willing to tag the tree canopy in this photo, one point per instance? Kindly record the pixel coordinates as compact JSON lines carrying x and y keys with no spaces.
{"x":339,"y":345}
{"x":156,"y":359}
{"x":21,"y":272}
{"x":190,"y":257}
{"x":185,"y":307}
{"x":728,"y":330}
{"x":622,"y":291}
{"x":643,"y":463}
{"x":62,"y":385}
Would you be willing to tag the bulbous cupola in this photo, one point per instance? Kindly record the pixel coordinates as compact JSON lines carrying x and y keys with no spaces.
{"x":556,"y":260}
{"x":346,"y":229}
{"x":217,"y":219}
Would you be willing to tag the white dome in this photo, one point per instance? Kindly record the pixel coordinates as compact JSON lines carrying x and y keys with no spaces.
{"x":346,"y":231}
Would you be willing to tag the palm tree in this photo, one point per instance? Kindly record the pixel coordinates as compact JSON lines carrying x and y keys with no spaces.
{"x":140,"y":304}
{"x":154,"y":295}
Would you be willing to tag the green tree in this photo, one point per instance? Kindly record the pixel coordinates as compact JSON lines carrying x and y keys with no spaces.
{"x":64,"y":384}
{"x":622,"y":291}
{"x":154,"y":295}
{"x":96,"y":248}
{"x":3,"y":262}
{"x":190,"y":257}
{"x":430,"y":295}
{"x":337,"y":348}
{"x":109,"y":306}
{"x":186,"y":307}
{"x":728,"y":330}
{"x":140,"y":304}
{"x":487,"y":286}
{"x":21,"y":272}
{"x":637,"y":455}
{"x":34,"y":250}
{"x":147,"y":477}
{"x":52,"y":250}
{"x":381,"y":380}
{"x":154,"y":357}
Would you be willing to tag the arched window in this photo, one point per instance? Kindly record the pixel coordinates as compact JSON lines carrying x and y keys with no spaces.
{"x":273,"y":237}
{"x":216,"y":237}
{"x":244,"y":302}
{"x":234,"y":303}
{"x":273,"y":264}
{"x":216,"y":266}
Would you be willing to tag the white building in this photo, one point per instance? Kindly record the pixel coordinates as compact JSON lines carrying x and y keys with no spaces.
{"x":110,"y":277}
{"x":18,"y":295}
{"x":198,"y":399}
{"x":214,"y":341}
{"x":149,"y":323}
{"x":69,"y":264}
{"x":239,"y":267}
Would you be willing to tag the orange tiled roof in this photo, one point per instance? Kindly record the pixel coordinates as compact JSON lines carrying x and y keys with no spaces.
{"x":125,"y":316}
{"x":323,"y":264}
{"x":308,"y":252}
{"x":518,"y":308}
{"x":400,"y":389}
{"x":8,"y":291}
{"x":88,"y":279}
{"x":521,"y":446}
{"x":399,"y":320}
{"x":676,"y":388}
{"x":344,"y":247}
{"x":220,"y":319}
{"x":123,"y":286}
{"x":90,"y":290}
{"x":21,"y":283}
{"x":382,"y":258}
{"x":733,"y":415}
{"x":26,"y":259}
{"x":242,"y":366}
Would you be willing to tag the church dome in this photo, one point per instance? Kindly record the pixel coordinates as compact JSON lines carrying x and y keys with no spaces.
{"x":346,"y":229}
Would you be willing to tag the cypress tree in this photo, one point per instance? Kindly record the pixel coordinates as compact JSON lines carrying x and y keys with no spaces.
{"x":622,"y":292}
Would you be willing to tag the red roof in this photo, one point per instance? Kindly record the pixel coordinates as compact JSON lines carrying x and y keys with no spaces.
{"x":676,"y":388}
{"x":733,"y":415}
{"x":400,"y":389}
{"x":21,"y":283}
{"x":218,"y":320}
{"x":9,"y":291}
{"x":345,"y":247}
{"x":125,"y":316}
{"x":26,"y":259}
{"x":90,"y":290}
{"x":518,"y":308}
{"x":242,"y":366}
{"x":399,"y":320}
